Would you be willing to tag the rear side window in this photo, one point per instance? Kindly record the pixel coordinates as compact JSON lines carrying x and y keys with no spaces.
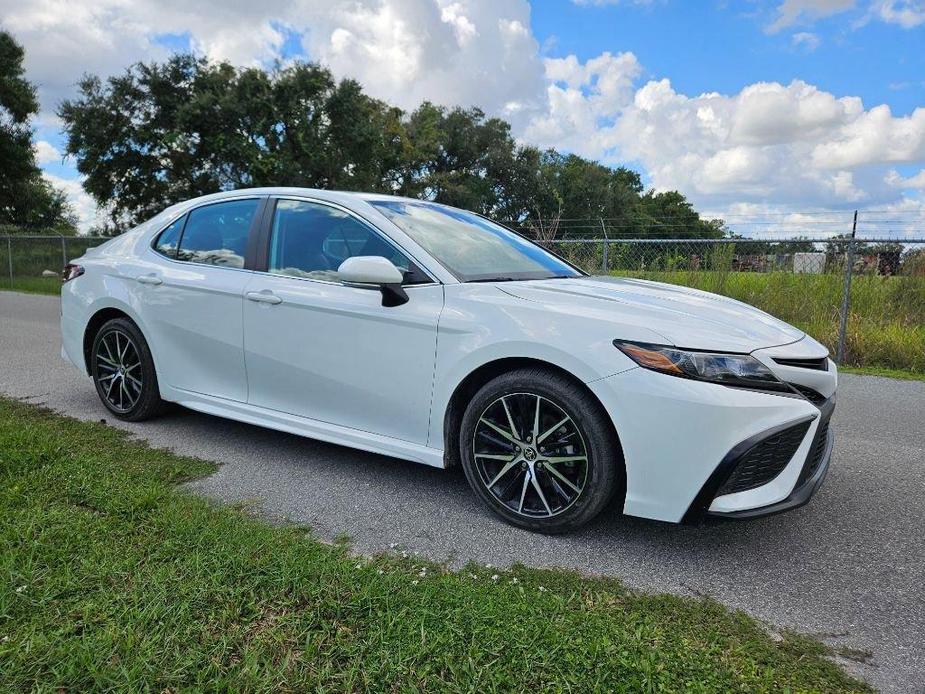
{"x":217,"y":234}
{"x":169,"y":239}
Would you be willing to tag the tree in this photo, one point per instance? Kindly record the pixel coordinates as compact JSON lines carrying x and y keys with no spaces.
{"x":162,"y":133}
{"x":26,"y":198}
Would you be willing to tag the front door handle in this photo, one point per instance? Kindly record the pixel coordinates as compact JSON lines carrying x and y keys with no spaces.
{"x":149,"y":279}
{"x":264,"y":297}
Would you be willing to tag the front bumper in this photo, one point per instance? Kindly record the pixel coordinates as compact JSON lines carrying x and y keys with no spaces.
{"x":676,"y":433}
{"x":812,"y":474}
{"x":798,"y":497}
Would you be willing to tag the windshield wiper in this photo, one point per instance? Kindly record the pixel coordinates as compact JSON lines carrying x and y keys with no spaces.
{"x":504,"y":278}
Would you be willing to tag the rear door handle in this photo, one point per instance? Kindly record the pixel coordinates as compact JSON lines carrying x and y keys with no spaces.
{"x":149,"y":279}
{"x":264,"y":297}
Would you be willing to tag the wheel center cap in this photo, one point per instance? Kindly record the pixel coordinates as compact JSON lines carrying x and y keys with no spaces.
{"x":529,"y":454}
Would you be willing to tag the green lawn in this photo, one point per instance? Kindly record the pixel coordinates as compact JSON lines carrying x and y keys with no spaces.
{"x":883,"y":373}
{"x":33,"y":285}
{"x":115,"y":580}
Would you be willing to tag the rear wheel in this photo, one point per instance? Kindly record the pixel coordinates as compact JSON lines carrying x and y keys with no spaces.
{"x":538,"y":451}
{"x":123,"y":371}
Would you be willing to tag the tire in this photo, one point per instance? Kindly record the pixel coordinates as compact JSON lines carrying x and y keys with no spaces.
{"x":123,"y":372}
{"x":515,"y":476}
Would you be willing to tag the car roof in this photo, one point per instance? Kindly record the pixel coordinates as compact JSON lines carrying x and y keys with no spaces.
{"x":332,"y":195}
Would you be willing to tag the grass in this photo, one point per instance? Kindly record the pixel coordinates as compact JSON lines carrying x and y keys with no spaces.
{"x":33,"y":285}
{"x":886,"y":323}
{"x":883,"y":373}
{"x":115,"y":580}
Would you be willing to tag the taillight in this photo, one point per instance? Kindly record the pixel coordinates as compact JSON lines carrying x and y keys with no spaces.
{"x":71,"y":271}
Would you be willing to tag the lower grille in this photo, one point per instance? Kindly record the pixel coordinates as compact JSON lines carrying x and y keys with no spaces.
{"x":765,"y":460}
{"x":816,"y":451}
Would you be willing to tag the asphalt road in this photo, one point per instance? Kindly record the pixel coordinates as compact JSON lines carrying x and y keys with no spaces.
{"x":848,"y":568}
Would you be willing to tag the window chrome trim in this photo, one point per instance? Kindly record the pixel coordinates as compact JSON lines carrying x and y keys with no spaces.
{"x":157,"y":234}
{"x":362,"y":220}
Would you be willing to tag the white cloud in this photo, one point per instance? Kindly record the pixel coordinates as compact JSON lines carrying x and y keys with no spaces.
{"x":906,"y":13}
{"x":873,"y":137}
{"x":46,"y":153}
{"x":579,"y":98}
{"x":84,"y":206}
{"x":450,"y":51}
{"x":795,"y":11}
{"x":458,"y":52}
{"x":917,"y":181}
{"x":787,"y":144}
{"x":806,"y":40}
{"x":769,"y":143}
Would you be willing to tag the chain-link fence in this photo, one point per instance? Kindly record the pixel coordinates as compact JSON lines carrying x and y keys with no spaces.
{"x":34,"y":263}
{"x":864,"y":299}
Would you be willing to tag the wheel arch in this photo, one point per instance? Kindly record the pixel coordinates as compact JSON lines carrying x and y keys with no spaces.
{"x":97,"y":321}
{"x":475,"y":379}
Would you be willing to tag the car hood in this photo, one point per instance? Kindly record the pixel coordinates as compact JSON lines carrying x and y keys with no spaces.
{"x":685,"y":317}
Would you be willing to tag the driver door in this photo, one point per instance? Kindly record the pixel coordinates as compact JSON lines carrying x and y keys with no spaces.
{"x":316,"y":348}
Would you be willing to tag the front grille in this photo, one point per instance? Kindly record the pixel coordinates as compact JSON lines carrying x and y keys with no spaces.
{"x":814,"y":396}
{"x":765,"y":460}
{"x":816,"y":451}
{"x":817,"y":364}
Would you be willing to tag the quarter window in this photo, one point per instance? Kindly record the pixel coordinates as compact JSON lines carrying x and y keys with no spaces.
{"x":167,"y":242}
{"x":217,"y":234}
{"x":311,"y":240}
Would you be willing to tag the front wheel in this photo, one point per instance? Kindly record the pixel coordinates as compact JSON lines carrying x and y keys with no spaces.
{"x":538,"y":450}
{"x":123,"y":371}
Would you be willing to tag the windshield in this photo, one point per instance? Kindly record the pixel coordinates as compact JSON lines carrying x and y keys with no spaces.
{"x":471,"y":247}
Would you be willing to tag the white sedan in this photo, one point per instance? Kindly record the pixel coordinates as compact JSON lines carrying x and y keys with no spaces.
{"x":431,"y":334}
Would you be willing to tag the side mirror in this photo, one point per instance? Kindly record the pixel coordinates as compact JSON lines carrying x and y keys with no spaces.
{"x":374,"y":272}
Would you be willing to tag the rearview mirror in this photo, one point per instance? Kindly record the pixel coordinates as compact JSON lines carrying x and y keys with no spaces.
{"x":374,"y":272}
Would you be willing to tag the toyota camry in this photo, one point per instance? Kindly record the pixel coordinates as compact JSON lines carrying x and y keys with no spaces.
{"x":432,"y":334}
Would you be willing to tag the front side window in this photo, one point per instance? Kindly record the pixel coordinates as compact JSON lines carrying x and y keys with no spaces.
{"x":217,"y":234}
{"x":471,"y":247}
{"x":311,"y":240}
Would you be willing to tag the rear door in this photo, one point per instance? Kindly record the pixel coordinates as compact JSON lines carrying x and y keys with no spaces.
{"x":319,"y":349}
{"x":191,"y":297}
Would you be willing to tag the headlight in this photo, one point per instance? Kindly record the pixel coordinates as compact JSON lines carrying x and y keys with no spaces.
{"x":729,"y":369}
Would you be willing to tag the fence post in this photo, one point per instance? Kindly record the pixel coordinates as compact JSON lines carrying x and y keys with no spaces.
{"x":846,"y":293}
{"x":606,"y":262}
{"x":63,"y":252}
{"x":9,"y":257}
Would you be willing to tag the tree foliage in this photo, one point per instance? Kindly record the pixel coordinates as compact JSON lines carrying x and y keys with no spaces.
{"x":26,"y":199}
{"x":165,"y":132}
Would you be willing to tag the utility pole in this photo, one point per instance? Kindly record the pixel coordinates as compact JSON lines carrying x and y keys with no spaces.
{"x":846,"y":292}
{"x":606,"y":262}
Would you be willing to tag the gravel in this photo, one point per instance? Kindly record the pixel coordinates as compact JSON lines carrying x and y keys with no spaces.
{"x":848,"y":568}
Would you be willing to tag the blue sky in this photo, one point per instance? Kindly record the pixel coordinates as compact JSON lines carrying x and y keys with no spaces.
{"x":708,"y":46}
{"x":748,"y":107}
